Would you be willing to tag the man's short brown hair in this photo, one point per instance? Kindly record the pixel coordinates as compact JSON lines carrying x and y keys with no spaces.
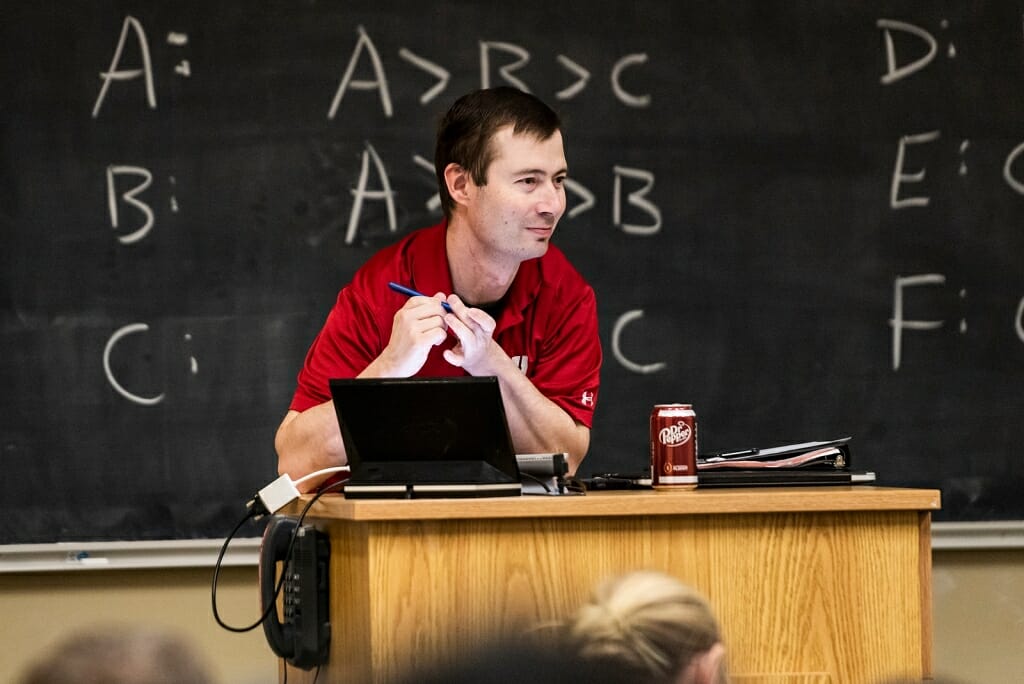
{"x":465,"y":132}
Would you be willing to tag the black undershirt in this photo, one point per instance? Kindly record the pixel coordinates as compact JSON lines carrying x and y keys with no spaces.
{"x":493,"y":309}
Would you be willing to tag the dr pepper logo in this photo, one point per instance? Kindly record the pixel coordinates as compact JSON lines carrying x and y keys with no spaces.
{"x":675,"y":435}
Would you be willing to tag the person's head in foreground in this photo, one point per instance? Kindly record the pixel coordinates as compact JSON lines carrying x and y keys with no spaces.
{"x":648,"y":626}
{"x":120,"y":654}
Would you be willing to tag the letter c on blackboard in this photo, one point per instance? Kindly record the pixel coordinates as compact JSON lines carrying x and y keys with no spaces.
{"x":114,"y":339}
{"x":643,"y":369}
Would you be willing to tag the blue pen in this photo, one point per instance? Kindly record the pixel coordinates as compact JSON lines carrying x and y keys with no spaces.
{"x":413,"y":293}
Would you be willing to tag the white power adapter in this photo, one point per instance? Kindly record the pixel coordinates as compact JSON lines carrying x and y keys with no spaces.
{"x":278,"y":494}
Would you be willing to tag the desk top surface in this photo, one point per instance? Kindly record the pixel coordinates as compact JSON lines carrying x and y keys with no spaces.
{"x":629,"y":503}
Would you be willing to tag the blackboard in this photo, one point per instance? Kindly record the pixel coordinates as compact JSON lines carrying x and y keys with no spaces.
{"x":755,"y":187}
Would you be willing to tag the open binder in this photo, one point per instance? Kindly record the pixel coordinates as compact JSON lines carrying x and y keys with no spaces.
{"x":803,"y":463}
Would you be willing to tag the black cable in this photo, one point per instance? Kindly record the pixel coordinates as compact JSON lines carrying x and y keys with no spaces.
{"x":216,"y":575}
{"x":536,"y":479}
{"x":253,"y":512}
{"x":316,"y":497}
{"x":572,"y":485}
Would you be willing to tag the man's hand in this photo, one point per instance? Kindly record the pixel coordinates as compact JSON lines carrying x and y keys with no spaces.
{"x":535,"y":422}
{"x":417,"y":326}
{"x":473,"y":328}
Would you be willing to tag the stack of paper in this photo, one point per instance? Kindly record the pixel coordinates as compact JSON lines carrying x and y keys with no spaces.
{"x":804,"y":463}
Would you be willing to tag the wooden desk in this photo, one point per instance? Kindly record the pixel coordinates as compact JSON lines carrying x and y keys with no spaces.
{"x":810,"y":584}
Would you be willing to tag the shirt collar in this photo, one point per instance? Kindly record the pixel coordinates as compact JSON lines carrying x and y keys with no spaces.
{"x":430,"y":273}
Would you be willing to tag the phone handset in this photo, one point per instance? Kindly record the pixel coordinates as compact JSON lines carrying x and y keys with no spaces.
{"x":303,"y":636}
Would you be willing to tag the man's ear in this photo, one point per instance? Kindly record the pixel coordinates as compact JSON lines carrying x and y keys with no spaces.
{"x":458,"y":181}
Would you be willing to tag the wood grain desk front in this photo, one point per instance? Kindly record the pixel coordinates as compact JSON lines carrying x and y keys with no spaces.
{"x":810,"y":584}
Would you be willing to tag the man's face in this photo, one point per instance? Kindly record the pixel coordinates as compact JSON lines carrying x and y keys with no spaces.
{"x":513,"y":216}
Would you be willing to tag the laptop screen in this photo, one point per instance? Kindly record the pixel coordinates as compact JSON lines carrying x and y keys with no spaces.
{"x":424,"y":431}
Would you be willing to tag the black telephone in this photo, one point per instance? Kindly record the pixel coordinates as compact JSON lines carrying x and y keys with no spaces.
{"x":303,"y":637}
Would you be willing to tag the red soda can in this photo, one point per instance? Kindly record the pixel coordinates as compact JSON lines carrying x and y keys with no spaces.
{"x":673,"y":446}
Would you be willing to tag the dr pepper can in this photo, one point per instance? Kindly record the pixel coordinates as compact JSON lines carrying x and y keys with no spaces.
{"x":673,"y":446}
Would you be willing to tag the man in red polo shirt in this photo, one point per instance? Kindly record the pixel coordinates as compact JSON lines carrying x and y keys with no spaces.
{"x":518,"y":309}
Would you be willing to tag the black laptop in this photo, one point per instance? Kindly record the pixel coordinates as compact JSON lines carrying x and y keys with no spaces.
{"x":425,"y":437}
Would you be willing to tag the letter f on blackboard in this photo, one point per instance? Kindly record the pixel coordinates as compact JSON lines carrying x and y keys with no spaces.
{"x":898,"y":322}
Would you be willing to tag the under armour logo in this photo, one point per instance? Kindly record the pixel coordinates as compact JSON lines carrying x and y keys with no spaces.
{"x":588,"y":398}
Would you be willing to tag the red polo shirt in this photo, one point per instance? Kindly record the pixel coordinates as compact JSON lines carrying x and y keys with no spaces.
{"x":548,"y":324}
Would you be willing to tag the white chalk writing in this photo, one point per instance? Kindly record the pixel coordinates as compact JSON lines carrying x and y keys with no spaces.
{"x":114,"y":73}
{"x":133,"y":329}
{"x":131,"y":198}
{"x":620,"y":326}
{"x":898,"y":322}
{"x":899,"y":177}
{"x":919,"y":49}
{"x":895,"y":73}
{"x":380,"y":81}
